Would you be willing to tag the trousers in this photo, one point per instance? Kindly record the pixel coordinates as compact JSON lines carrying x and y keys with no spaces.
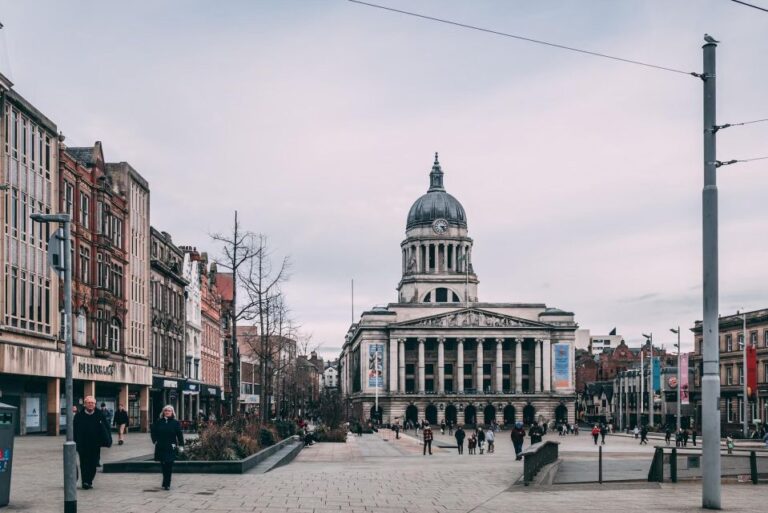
{"x":89,"y":458}
{"x":460,"y":445}
{"x":167,"y":467}
{"x":428,"y":443}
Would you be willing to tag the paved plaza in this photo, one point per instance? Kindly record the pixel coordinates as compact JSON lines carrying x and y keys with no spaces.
{"x":372,"y":473}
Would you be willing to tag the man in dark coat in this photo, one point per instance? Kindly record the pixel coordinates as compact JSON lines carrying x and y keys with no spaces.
{"x":535,"y":433}
{"x":518,"y":437}
{"x":460,"y":435}
{"x":90,"y":432}
{"x":427,"y":432}
{"x":121,"y":423}
{"x":167,"y":436}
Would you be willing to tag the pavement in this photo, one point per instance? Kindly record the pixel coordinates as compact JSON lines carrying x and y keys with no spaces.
{"x":372,"y":473}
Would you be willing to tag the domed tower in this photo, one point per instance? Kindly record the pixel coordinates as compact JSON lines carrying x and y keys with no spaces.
{"x":436,"y":252}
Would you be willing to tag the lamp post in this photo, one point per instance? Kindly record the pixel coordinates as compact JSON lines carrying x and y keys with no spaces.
{"x":677,"y":332}
{"x":70,"y":470}
{"x":649,"y":342}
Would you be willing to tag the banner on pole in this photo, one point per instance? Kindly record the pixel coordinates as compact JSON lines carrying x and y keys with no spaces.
{"x":561,"y":372}
{"x":656,"y":369}
{"x":684,"y":395}
{"x":375,"y":366}
{"x":751,"y":371}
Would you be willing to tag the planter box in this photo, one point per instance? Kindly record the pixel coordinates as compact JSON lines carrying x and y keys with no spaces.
{"x":145,"y":464}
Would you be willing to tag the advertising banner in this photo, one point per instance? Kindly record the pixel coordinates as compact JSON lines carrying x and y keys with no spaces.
{"x":751,"y":371}
{"x":376,"y":366}
{"x":684,"y":393}
{"x":33,"y":413}
{"x":561,"y":369}
{"x":656,"y":369}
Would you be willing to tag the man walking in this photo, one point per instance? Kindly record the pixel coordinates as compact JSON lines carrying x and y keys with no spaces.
{"x":427,"y":432}
{"x":490,"y":437}
{"x":91,"y":434}
{"x":121,"y":422}
{"x":693,"y":436}
{"x":518,"y":437}
{"x":668,"y":435}
{"x":603,"y":431}
{"x":644,"y":435}
{"x":397,"y":431}
{"x":460,"y":435}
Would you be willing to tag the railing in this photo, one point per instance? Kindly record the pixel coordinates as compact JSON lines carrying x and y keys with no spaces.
{"x":536,"y":457}
{"x":686,"y":463}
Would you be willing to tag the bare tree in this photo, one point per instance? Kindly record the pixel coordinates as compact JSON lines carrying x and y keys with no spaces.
{"x":239,"y":250}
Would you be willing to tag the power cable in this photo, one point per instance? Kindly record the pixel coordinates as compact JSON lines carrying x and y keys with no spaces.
{"x":750,"y":5}
{"x":522,"y":38}
{"x":729,"y":125}
{"x":719,"y":163}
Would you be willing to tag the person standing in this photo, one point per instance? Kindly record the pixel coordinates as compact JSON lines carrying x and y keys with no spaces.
{"x":603,"y":431}
{"x":91,"y":433}
{"x":518,"y":437}
{"x":121,"y":422}
{"x":442,"y":428}
{"x":636,"y":431}
{"x":595,"y":433}
{"x":427,"y":432}
{"x":480,"y":439}
{"x":167,"y":437}
{"x":693,"y":436}
{"x":644,"y":435}
{"x":490,"y":437}
{"x":536,"y":433}
{"x":460,"y":435}
{"x":107,"y":414}
{"x":397,"y":431}
{"x":685,"y":438}
{"x":668,"y":435}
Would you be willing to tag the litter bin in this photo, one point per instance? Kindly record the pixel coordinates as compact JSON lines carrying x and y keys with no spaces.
{"x":7,"y":424}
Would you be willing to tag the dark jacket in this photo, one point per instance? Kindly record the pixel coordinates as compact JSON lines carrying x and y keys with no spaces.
{"x":121,"y":417}
{"x":165,"y":434}
{"x":427,"y":434}
{"x":481,"y":436}
{"x":517,"y":435}
{"x":460,"y":435}
{"x":90,"y":430}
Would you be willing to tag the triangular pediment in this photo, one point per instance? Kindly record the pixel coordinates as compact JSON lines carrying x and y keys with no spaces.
{"x":472,"y":318}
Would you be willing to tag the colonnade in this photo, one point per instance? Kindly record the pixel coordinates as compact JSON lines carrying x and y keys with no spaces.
{"x":541,"y":365}
{"x":447,"y":256}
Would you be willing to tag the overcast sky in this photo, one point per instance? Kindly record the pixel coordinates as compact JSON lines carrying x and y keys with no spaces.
{"x":581,"y":177}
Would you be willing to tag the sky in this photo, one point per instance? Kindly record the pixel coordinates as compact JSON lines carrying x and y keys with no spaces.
{"x":318,"y":120}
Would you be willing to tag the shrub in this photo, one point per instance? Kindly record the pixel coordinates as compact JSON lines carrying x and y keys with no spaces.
{"x":338,"y":435}
{"x":266,"y":437}
{"x":285,"y":428}
{"x":237,"y":438}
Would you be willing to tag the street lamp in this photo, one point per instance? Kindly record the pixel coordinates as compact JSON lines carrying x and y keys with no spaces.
{"x":679,"y":383}
{"x":648,"y":341}
{"x":70,"y":469}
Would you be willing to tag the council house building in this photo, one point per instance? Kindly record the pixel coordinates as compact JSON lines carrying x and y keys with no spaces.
{"x":440,"y":353}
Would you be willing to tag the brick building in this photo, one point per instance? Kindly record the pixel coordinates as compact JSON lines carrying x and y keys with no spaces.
{"x":211,"y":342}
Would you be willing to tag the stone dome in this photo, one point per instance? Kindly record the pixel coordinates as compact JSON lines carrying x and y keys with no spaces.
{"x":436,"y":204}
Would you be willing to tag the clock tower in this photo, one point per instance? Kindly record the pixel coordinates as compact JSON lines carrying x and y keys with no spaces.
{"x":436,"y":252}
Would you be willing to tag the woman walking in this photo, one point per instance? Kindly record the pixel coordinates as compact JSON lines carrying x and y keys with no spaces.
{"x":167,"y":437}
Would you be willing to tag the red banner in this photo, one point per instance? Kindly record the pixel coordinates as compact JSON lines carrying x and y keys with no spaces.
{"x":684,"y":392}
{"x":751,"y":371}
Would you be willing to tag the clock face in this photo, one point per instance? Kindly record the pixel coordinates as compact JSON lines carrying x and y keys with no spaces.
{"x":440,"y":226}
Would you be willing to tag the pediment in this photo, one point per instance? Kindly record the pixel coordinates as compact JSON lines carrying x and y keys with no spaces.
{"x":472,"y":318}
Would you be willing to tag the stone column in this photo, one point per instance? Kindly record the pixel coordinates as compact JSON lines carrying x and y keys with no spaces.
{"x":441,"y":365}
{"x":401,"y":352}
{"x":53,"y":408}
{"x":547,"y":365}
{"x":393,"y":365}
{"x":421,"y":365}
{"x":499,"y":365}
{"x":518,"y":365}
{"x":459,"y":374}
{"x":479,"y":370}
{"x":537,"y":366}
{"x":144,"y":408}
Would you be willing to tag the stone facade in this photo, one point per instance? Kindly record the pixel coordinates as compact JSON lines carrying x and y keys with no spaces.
{"x":211,"y":341}
{"x":440,"y":354}
{"x":193,"y":335}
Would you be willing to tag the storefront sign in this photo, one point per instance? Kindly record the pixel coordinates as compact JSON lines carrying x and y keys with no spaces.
{"x":561,"y":368}
{"x":169,"y":383}
{"x":98,"y":369}
{"x":250,"y":398}
{"x":91,"y":368}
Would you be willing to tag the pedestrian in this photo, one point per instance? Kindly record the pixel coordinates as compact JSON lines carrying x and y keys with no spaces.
{"x":480,"y":439}
{"x":460,"y":439}
{"x":536,"y":433}
{"x":397,"y":430}
{"x":668,"y":435}
{"x":729,"y":444}
{"x":427,"y":431}
{"x":518,"y":437}
{"x":106,"y":413}
{"x":359,"y":429}
{"x":603,"y":432}
{"x":595,"y":433}
{"x":636,"y":431}
{"x":472,"y":443}
{"x":576,"y":429}
{"x":442,"y":428}
{"x":685,"y":437}
{"x":644,"y":436}
{"x":91,"y":433}
{"x":121,"y":422}
{"x":167,"y":437}
{"x":765,"y":439}
{"x":450,"y":427}
{"x":693,"y":436}
{"x":490,"y":437}
{"x":679,"y":438}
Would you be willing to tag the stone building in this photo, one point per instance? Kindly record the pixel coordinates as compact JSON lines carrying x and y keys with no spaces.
{"x":250,"y":369}
{"x":193,"y":333}
{"x":441,"y":354}
{"x":211,"y":341}
{"x":167,"y":286}
{"x":731,"y":341}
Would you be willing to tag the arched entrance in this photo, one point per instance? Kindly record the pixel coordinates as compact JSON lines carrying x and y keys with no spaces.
{"x":451,"y":414}
{"x":470,"y":415}
{"x":489,"y":413}
{"x":431,"y":414}
{"x":509,"y":414}
{"x":529,"y":414}
{"x":561,"y":413}
{"x":412,"y":414}
{"x":376,"y":415}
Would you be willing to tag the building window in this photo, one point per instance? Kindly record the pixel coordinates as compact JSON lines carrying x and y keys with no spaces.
{"x":729,"y":375}
{"x":740,"y":370}
{"x":99,"y":217}
{"x":114,"y":335}
{"x":765,"y":372}
{"x":69,"y":194}
{"x":765,"y":338}
{"x":85,"y":264}
{"x":117,"y":281}
{"x":728,"y":344}
{"x":740,"y":342}
{"x":753,"y":339}
{"x":85,"y":210}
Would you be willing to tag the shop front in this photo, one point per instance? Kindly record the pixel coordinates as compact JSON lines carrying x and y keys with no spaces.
{"x":165,"y":391}
{"x":190,"y":402}
{"x":32,"y":379}
{"x":210,"y":401}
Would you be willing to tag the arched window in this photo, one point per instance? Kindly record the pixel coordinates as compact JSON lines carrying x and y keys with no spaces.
{"x":80,"y":327}
{"x":114,"y":335}
{"x":441,"y":295}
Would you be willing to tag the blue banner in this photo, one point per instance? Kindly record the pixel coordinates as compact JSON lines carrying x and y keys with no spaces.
{"x":656,"y":376}
{"x":561,"y":370}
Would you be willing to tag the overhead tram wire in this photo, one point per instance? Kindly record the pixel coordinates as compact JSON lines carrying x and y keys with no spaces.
{"x":729,"y":125}
{"x":527,"y":39}
{"x":719,"y":163}
{"x":750,"y":5}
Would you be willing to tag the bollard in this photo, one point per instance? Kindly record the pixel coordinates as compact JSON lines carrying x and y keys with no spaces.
{"x":656,"y":472}
{"x":600,"y":465}
{"x":753,"y":466}
{"x":673,"y":465}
